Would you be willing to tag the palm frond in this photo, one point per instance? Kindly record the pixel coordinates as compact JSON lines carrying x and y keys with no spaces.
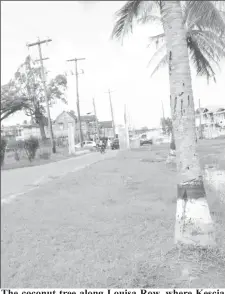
{"x":163,"y":62}
{"x":206,"y":14}
{"x":220,"y":5}
{"x":128,"y":13}
{"x":212,"y":43}
{"x":201,"y":63}
{"x":149,"y":18}
{"x":160,"y":50}
{"x":157,"y":39}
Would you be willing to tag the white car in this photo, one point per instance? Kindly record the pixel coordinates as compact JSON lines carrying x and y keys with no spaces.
{"x":86,"y":144}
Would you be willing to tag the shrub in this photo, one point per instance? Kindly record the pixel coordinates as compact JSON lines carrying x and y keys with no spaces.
{"x":45,"y":155}
{"x":31,"y":146}
{"x":14,"y":145}
{"x":16,"y":156}
{"x":3,"y":144}
{"x":11,"y":144}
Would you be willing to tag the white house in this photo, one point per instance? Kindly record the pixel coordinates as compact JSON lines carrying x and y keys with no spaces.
{"x":210,"y":115}
{"x":212,"y":120}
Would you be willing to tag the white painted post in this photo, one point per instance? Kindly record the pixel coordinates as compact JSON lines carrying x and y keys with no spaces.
{"x":71,"y":138}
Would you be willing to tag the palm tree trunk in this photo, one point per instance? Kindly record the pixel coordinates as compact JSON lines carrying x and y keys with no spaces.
{"x":193,"y":221}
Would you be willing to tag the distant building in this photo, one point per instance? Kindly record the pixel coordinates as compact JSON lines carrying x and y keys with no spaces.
{"x":212,"y":120}
{"x":21,"y":132}
{"x":106,"y":128}
{"x":60,"y":125}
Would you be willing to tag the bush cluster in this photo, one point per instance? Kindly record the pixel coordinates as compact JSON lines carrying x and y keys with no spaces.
{"x":30,"y":146}
{"x":3,"y":144}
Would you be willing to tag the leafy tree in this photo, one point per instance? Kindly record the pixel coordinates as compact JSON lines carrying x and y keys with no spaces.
{"x":181,"y":97}
{"x":28,"y":87}
{"x":166,"y":124}
{"x":11,"y":102}
{"x":3,"y":144}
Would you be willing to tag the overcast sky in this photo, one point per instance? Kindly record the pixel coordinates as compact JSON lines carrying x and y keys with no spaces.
{"x":82,"y":29}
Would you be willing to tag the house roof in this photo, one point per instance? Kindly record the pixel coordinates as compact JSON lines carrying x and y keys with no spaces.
{"x":215,"y":108}
{"x":105,"y":124}
{"x":30,"y":126}
{"x":72,"y":114}
{"x":87,"y":118}
{"x":211,"y":109}
{"x":201,"y":110}
{"x":68,"y":112}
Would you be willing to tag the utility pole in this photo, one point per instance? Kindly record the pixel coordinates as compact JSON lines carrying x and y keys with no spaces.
{"x":96,"y":119}
{"x":126,"y":127}
{"x":31,"y":93}
{"x":200,"y":119}
{"x":78,"y":100}
{"x":39,"y":43}
{"x":163,"y":117}
{"x":112,"y":114}
{"x":163,"y":110}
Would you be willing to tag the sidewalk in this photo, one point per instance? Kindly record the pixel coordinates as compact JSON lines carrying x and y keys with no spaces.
{"x":108,"y":225}
{"x":16,"y":182}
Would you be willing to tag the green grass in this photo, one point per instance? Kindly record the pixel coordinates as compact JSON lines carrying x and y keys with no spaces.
{"x":11,"y":163}
{"x":110,"y":225}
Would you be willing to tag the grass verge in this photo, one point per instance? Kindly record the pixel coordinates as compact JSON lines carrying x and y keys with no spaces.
{"x":110,"y":225}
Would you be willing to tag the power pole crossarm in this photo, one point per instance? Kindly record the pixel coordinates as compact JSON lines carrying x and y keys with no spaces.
{"x":39,"y":42}
{"x":76,"y":59}
{"x":46,"y":58}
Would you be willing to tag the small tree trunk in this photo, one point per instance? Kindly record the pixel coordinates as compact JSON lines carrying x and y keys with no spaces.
{"x":172,"y":153}
{"x":193,"y":221}
{"x":42,"y":129}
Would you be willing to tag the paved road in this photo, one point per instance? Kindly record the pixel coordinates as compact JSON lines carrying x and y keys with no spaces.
{"x":17,"y":182}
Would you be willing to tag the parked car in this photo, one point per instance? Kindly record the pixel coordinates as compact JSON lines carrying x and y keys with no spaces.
{"x":115,"y":144}
{"x":86,"y":144}
{"x":145,"y":141}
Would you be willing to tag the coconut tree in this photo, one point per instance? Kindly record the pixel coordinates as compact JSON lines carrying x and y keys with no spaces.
{"x":205,"y":45}
{"x":193,"y":221}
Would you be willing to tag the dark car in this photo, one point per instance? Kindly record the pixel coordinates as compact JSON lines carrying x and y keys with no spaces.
{"x":115,"y":144}
{"x":145,"y":141}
